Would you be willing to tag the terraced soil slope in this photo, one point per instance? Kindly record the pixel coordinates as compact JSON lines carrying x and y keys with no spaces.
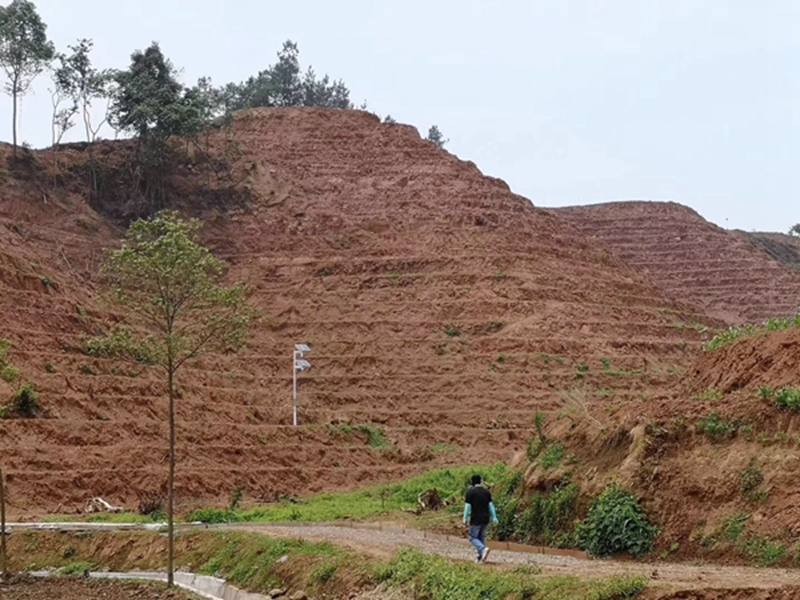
{"x":722,"y":274}
{"x":780,"y":246}
{"x":442,"y":310}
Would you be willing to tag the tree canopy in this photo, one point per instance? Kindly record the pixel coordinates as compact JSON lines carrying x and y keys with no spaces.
{"x":25,"y":50}
{"x":149,"y":101}
{"x":281,"y":84}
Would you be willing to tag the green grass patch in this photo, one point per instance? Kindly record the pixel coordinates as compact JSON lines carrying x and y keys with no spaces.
{"x":369,"y":502}
{"x":435,"y":578}
{"x":762,"y":551}
{"x":376,"y":436}
{"x":81,"y":569}
{"x":122,"y":517}
{"x":718,"y":429}
{"x":440,"y":448}
{"x":737,"y":332}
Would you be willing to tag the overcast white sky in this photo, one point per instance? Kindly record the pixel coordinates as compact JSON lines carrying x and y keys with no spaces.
{"x":569,"y":101}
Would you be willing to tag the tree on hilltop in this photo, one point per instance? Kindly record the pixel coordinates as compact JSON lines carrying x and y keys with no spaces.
{"x":25,"y":51}
{"x":281,"y":85}
{"x":436,"y":136}
{"x":150,"y":103}
{"x":795,"y":230}
{"x":83,"y":83}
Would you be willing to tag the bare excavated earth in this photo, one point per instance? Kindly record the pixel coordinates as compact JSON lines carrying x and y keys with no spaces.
{"x":780,"y":246}
{"x":732,"y":276}
{"x":439,"y":306}
{"x":78,"y":588}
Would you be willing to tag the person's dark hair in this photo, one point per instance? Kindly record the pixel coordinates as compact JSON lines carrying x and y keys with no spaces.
{"x":476,"y":480}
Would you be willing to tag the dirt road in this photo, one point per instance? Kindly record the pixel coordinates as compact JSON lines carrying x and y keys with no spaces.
{"x":666,"y":577}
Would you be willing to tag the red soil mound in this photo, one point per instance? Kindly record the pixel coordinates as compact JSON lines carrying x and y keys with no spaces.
{"x":438,"y":304}
{"x":770,"y":359}
{"x":722,"y":274}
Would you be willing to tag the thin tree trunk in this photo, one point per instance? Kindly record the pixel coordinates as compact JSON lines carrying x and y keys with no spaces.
{"x":3,"y":552}
{"x":171,"y":482}
{"x":14,"y":128}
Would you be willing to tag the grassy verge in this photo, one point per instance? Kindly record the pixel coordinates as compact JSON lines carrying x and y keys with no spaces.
{"x":257,"y":563}
{"x":436,"y":578}
{"x":371,"y":501}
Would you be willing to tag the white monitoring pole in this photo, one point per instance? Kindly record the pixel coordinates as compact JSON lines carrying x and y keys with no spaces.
{"x":298,"y":364}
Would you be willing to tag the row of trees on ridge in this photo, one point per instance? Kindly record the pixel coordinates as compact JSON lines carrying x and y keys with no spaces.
{"x":147,"y":100}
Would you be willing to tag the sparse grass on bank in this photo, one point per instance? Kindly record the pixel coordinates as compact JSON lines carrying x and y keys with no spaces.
{"x":372,"y":501}
{"x":737,"y":332}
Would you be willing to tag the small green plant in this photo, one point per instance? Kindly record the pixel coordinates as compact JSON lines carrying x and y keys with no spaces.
{"x":539,"y":443}
{"x":8,"y":373}
{"x":50,"y":368}
{"x":498,"y":276}
{"x":765,"y":392}
{"x":616,"y":523}
{"x":501,"y":358}
{"x":46,"y":282}
{"x":606,"y":363}
{"x":733,"y":527}
{"x":788,"y":398}
{"x":751,"y":477}
{"x":80,"y":569}
{"x":452,"y":330}
{"x":236,"y":498}
{"x":25,"y":401}
{"x":393,"y":276}
{"x":552,"y":456}
{"x":716,"y":428}
{"x":86,"y":370}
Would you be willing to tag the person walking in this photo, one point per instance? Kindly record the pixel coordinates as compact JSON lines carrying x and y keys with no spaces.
{"x":478,"y":511}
